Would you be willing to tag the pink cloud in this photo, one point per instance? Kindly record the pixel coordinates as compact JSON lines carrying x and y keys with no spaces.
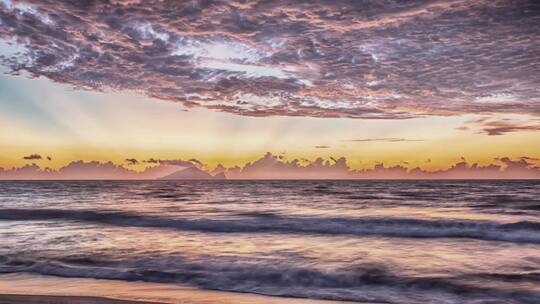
{"x":272,"y":166}
{"x":393,"y":59}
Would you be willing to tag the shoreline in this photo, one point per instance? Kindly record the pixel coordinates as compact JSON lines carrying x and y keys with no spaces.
{"x":23,"y":288}
{"x":48,"y":299}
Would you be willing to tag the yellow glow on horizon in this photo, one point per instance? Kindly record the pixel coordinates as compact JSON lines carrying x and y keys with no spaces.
{"x":75,"y":125}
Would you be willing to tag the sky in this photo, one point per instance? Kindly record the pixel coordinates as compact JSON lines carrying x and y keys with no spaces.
{"x":412,"y":84}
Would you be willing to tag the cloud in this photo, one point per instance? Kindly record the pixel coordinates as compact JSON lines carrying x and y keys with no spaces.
{"x":131,"y":161}
{"x":389,"y":139}
{"x":527,"y":158}
{"x":81,"y":170}
{"x":272,"y":166}
{"x":180,"y":162}
{"x":175,"y":162}
{"x":501,"y":127}
{"x":32,"y":157}
{"x":494,"y":126}
{"x":151,"y":161}
{"x":361,"y":59}
{"x":321,"y":147}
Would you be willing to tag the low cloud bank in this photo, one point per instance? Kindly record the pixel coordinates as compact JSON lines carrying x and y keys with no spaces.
{"x":272,"y":166}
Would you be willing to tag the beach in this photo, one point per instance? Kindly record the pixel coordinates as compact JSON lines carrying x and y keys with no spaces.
{"x":38,"y":289}
{"x":46,"y":299}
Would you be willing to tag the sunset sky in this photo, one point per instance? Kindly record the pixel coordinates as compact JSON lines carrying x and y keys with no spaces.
{"x":413,"y":83}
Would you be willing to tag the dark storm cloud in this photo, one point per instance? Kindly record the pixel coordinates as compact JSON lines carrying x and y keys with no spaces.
{"x":368,"y":59}
{"x":32,"y":157}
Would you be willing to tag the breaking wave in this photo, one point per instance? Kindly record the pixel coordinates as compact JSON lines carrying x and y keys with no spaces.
{"x":517,"y":232}
{"x":359,"y":283}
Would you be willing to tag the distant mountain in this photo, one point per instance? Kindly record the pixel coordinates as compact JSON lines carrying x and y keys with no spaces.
{"x":220,"y":176}
{"x":192,"y":173}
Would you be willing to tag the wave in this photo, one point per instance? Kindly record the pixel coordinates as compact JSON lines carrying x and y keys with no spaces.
{"x":359,"y":283}
{"x":518,"y":232}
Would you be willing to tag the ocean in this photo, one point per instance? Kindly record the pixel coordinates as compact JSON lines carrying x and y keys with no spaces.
{"x":381,"y":241}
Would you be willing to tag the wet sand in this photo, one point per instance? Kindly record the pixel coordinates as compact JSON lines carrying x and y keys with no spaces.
{"x":34,"y":289}
{"x":44,"y":299}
